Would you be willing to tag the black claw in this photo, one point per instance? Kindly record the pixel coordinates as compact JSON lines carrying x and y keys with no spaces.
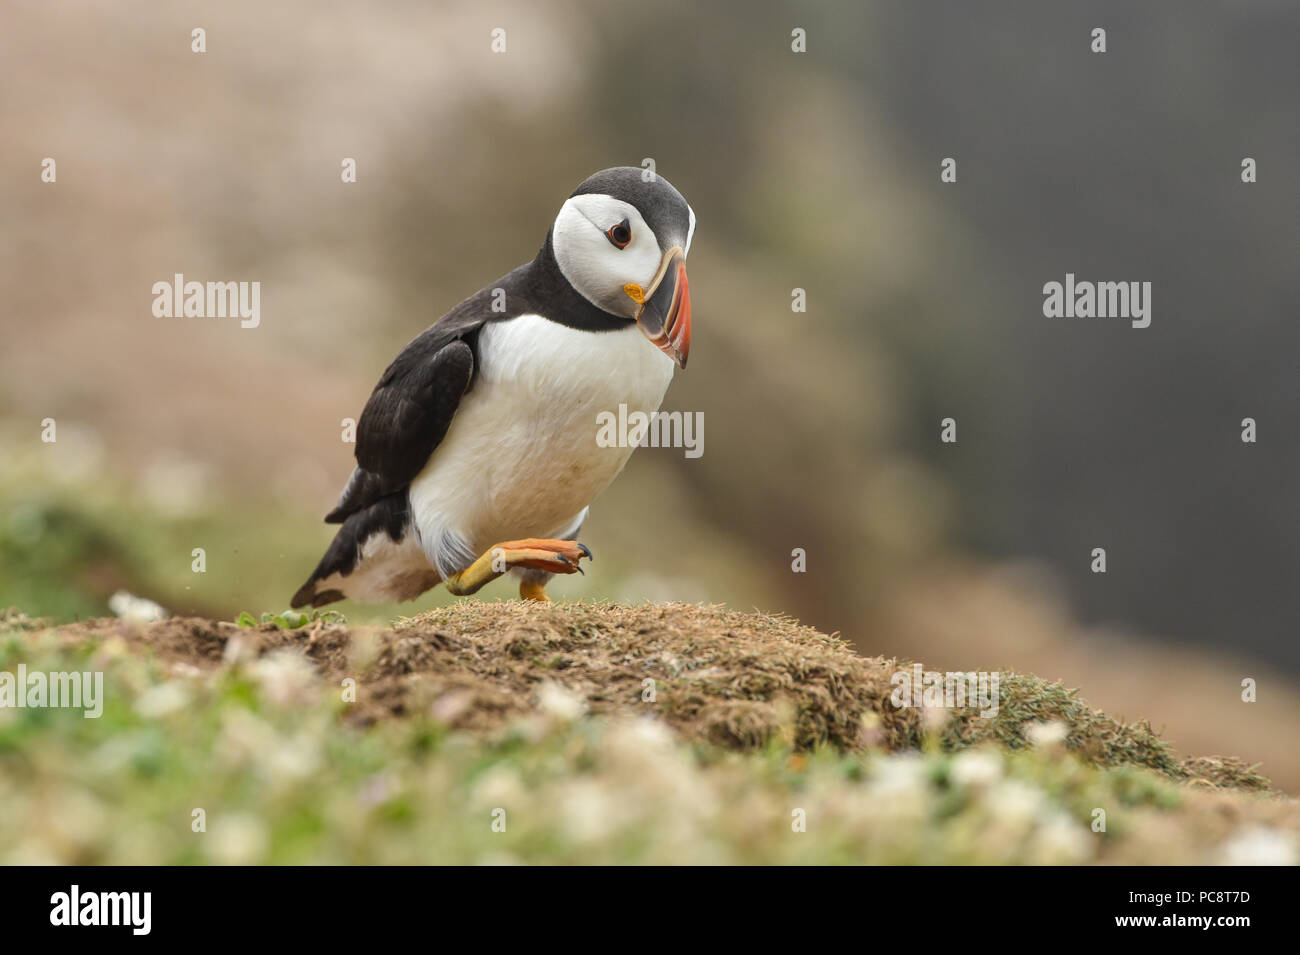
{"x":586,"y":550}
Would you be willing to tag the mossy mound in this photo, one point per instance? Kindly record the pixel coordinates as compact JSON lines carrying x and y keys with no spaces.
{"x":731,"y":679}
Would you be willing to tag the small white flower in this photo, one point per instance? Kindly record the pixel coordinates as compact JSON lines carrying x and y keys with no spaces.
{"x":976,"y":768}
{"x":128,"y":606}
{"x":1047,"y":734}
{"x":1014,"y":803}
{"x":588,"y":813}
{"x":649,"y":733}
{"x":237,"y":651}
{"x":292,"y":759}
{"x":500,"y":786}
{"x":286,"y":677}
{"x":1260,"y":845}
{"x":934,"y":719}
{"x":558,"y":703}
{"x":162,"y":699}
{"x":902,"y":775}
{"x":239,"y":839}
{"x":1060,"y":840}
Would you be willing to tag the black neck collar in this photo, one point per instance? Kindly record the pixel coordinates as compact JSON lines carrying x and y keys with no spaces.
{"x":561,"y":302}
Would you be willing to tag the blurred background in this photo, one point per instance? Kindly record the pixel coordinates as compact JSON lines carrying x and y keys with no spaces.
{"x":818,"y":171}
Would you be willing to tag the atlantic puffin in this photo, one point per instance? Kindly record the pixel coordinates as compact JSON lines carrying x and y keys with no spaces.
{"x":477,"y":452}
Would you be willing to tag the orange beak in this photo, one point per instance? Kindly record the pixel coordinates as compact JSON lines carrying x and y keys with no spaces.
{"x":665,"y":313}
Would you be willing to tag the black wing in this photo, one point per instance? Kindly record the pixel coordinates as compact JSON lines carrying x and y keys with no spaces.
{"x":408,"y":415}
{"x":412,"y":406}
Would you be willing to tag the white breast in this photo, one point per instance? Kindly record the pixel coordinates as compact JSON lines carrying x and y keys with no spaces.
{"x":521,"y":457}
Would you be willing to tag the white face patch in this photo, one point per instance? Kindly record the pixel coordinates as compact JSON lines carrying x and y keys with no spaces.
{"x":596,"y":267}
{"x":690,"y":233}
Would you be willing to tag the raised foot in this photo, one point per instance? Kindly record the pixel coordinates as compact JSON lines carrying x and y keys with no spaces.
{"x":552,"y":556}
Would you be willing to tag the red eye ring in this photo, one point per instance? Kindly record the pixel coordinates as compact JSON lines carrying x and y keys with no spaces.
{"x":620,"y":234}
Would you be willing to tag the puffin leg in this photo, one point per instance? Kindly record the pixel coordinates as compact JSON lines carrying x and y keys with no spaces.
{"x":552,"y":556}
{"x":533,"y":590}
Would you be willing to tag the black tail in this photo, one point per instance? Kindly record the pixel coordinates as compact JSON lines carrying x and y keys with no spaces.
{"x":387,"y":515}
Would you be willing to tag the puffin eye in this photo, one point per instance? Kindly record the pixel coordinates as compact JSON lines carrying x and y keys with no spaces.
{"x":620,"y":235}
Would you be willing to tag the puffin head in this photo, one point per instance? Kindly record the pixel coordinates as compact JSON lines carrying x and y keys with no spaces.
{"x":621,"y":241}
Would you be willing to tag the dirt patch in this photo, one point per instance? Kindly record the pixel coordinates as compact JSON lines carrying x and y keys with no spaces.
{"x":736,"y":680}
